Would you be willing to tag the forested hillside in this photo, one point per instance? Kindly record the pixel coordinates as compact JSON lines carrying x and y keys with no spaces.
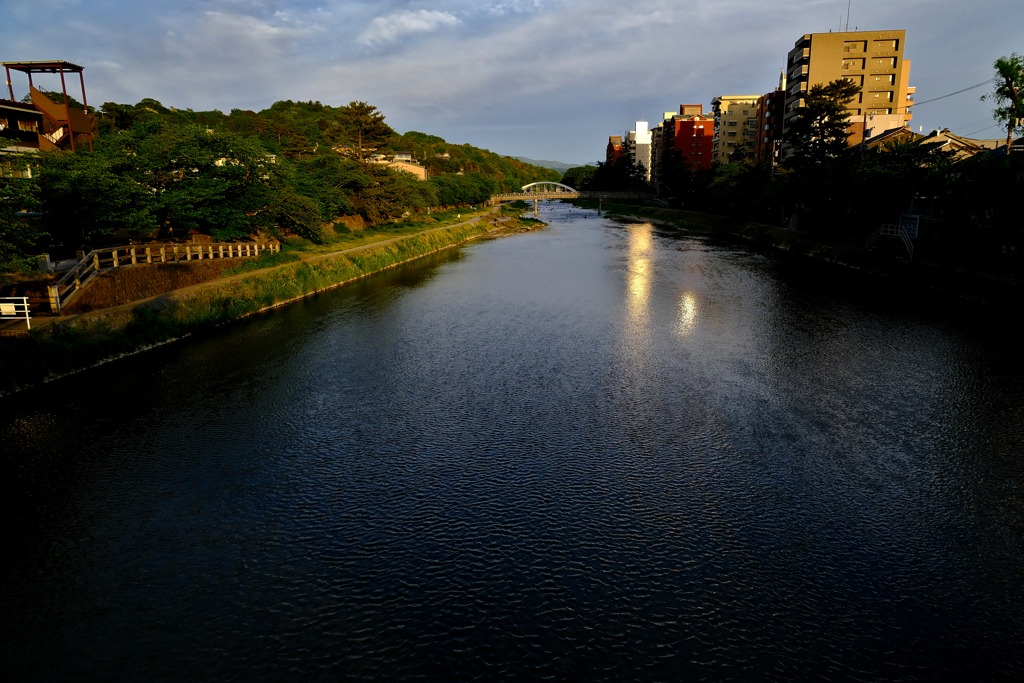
{"x":298,"y":130}
{"x":294,"y":167}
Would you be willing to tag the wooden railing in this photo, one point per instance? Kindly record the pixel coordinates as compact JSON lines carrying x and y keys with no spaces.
{"x":112,"y":258}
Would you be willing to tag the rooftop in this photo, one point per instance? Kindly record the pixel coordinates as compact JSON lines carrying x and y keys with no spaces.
{"x":49,"y":67}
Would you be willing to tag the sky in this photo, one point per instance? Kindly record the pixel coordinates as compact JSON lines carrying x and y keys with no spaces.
{"x":544,"y":79}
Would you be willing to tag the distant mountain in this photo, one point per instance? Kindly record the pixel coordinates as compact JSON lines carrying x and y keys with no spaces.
{"x":559,"y":166}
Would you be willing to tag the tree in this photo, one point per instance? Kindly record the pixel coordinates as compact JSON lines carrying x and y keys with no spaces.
{"x":216,"y":183}
{"x":739,"y":153}
{"x":819,"y":131}
{"x":361,"y":125}
{"x":1009,"y":94}
{"x":16,"y":234}
{"x":86,"y":195}
{"x":578,"y":176}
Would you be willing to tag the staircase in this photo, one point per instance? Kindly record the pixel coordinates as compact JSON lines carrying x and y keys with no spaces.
{"x":891,"y":230}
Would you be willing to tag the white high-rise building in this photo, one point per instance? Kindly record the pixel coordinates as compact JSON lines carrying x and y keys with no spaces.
{"x":639,"y":145}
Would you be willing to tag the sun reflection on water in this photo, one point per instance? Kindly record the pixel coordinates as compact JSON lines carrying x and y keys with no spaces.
{"x":639,"y":254}
{"x":687,"y":313}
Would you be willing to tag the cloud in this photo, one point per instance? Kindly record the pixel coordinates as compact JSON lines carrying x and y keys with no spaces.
{"x":538,"y":78}
{"x":394,"y":26}
{"x":516,"y":7}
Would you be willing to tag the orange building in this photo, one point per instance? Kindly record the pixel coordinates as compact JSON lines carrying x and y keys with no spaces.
{"x":614,"y":149}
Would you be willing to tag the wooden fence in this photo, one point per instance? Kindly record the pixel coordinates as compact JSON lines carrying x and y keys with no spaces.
{"x":105,"y":260}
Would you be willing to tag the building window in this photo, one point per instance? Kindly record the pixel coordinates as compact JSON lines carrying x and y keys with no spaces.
{"x":3,"y":124}
{"x":28,"y":126}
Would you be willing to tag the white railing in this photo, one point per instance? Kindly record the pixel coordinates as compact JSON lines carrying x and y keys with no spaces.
{"x":15,"y":308}
{"x":891,"y":230}
{"x":105,"y":260}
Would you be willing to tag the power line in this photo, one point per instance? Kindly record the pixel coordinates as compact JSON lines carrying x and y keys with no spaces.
{"x":917,"y":104}
{"x":975,"y":132}
{"x":936,"y":99}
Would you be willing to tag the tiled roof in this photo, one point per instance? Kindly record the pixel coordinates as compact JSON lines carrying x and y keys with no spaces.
{"x":19,"y":105}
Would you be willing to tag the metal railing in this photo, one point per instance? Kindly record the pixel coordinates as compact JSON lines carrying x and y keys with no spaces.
{"x":891,"y":230}
{"x":15,"y":308}
{"x":111,"y":258}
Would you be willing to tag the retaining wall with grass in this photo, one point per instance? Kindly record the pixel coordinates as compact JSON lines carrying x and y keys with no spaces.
{"x":95,"y":338}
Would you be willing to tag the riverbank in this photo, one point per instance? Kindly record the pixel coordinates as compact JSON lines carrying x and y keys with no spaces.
{"x":960,"y":282}
{"x":60,"y":346}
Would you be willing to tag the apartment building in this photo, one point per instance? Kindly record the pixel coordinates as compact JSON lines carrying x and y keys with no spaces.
{"x":637,"y":144}
{"x":688,"y":133}
{"x":735,"y":118}
{"x":873,"y":60}
{"x":614,"y":149}
{"x":770,"y":108}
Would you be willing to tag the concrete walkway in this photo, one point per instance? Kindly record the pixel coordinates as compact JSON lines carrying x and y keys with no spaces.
{"x":16,"y":327}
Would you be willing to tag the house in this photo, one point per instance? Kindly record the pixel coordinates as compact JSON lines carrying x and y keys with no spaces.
{"x":20,"y":126}
{"x":408,"y":167}
{"x":962,"y":147}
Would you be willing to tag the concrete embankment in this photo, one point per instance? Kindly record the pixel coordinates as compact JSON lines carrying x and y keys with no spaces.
{"x":59,"y":346}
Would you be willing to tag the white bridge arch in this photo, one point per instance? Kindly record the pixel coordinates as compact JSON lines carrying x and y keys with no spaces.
{"x":548,"y":186}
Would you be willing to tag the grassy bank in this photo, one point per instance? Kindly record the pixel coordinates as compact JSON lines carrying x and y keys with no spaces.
{"x":105,"y":335}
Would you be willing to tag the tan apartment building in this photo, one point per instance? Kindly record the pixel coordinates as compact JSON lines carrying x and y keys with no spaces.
{"x":735,"y":119}
{"x":873,"y":60}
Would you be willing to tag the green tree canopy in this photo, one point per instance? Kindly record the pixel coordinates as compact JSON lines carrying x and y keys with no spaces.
{"x":819,"y":131}
{"x":1009,"y":95}
{"x":17,"y":236}
{"x":578,"y":176}
{"x":359,"y":124}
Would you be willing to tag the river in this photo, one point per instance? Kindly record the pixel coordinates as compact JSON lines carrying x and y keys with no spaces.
{"x":597,"y":451}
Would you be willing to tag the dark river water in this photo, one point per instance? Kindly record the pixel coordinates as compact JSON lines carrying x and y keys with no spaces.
{"x":594,"y":452}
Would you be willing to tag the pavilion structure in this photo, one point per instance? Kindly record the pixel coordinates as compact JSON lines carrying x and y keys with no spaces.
{"x":61,"y":123}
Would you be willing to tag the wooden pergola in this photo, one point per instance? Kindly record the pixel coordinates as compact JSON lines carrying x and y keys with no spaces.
{"x":50,"y":67}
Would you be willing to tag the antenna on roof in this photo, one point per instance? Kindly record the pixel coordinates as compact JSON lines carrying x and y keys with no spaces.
{"x":848,"y":3}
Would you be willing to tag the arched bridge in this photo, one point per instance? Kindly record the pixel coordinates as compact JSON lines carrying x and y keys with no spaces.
{"x":547,"y":189}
